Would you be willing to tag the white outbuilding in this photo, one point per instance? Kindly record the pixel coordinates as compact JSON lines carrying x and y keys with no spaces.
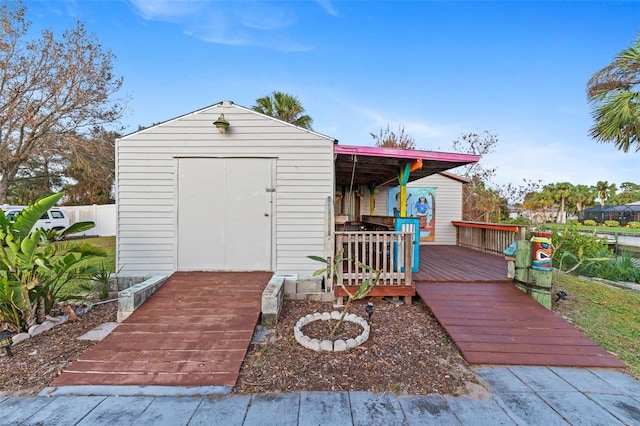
{"x":226,"y":188}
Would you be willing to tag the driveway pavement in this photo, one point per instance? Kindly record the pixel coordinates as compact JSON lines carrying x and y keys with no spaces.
{"x":515,"y":395}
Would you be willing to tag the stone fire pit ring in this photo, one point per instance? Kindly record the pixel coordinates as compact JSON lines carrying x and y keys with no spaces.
{"x":330,"y":345}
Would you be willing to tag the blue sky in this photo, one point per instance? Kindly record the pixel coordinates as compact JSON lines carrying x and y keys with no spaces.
{"x":439,"y":68}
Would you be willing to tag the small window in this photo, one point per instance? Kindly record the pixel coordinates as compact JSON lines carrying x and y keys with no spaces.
{"x":45,"y":216}
{"x":56,"y":214}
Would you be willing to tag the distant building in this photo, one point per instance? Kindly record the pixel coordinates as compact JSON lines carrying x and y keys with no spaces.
{"x":624,"y":214}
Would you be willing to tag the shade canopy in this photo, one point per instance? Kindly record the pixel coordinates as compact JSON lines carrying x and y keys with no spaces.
{"x":367,"y":165}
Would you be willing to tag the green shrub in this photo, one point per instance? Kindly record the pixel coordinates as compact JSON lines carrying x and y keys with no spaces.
{"x":573,"y":249}
{"x":589,"y":222}
{"x":520,"y":220}
{"x":624,"y":268}
{"x":611,"y":223}
{"x":634,"y":225}
{"x":32,"y":269}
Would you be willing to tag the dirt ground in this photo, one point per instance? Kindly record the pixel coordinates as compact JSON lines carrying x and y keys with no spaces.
{"x":408,"y":352}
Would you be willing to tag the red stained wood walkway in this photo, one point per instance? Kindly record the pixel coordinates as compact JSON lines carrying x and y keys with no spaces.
{"x":193,"y":331}
{"x":493,"y":322}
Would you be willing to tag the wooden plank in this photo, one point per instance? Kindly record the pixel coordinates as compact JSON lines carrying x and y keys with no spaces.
{"x":495,"y":323}
{"x":174,"y":339}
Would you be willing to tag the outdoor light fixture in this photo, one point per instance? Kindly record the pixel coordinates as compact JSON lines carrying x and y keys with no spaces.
{"x":369,"y":309}
{"x":221,"y":123}
{"x":5,"y":341}
{"x":561,"y":295}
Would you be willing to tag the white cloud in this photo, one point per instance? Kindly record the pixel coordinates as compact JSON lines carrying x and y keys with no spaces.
{"x":327,"y":5}
{"x":262,"y":24}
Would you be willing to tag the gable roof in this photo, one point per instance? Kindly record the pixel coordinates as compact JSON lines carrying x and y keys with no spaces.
{"x":229,"y":104}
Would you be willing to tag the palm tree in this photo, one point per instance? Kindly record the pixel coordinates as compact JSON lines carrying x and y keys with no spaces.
{"x":560,"y":192}
{"x":613,"y":93}
{"x":605,"y":191}
{"x":284,"y":107}
{"x":583,"y":196}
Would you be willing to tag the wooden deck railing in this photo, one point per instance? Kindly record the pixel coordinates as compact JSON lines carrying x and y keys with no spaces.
{"x":386,"y":251}
{"x":487,"y":237}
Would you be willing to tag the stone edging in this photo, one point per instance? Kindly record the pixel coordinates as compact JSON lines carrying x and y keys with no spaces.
{"x":329,"y":345}
{"x":36,"y":329}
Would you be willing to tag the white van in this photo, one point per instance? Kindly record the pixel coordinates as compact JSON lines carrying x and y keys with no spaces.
{"x":55,"y":218}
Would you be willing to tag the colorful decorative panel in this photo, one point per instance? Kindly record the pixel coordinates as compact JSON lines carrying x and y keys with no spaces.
{"x":421,"y":203}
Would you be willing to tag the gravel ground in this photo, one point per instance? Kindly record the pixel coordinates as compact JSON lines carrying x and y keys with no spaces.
{"x":408,"y":352}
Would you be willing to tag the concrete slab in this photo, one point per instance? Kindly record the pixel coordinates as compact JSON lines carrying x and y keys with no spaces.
{"x":429,"y":409}
{"x":159,"y":391}
{"x":369,"y":409}
{"x":273,"y":409}
{"x":123,"y":410}
{"x":221,"y":411}
{"x":501,"y":379}
{"x":623,"y":407}
{"x":584,"y":380}
{"x":167,"y":411}
{"x":577,"y":409}
{"x":62,"y":411}
{"x":330,"y":408}
{"x":542,"y":379}
{"x":263,"y":335}
{"x":478,"y":412}
{"x":100,"y":332}
{"x":16,"y":410}
{"x":528,"y":409}
{"x":620,"y":381}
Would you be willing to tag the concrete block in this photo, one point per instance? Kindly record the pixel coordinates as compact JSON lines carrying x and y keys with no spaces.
{"x":290,"y":285}
{"x":272,"y":300}
{"x":133,"y":297}
{"x":309,"y":285}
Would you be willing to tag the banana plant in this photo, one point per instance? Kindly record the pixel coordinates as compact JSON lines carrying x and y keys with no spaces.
{"x":32,"y":268}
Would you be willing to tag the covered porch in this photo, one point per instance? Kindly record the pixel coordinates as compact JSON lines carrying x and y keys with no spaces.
{"x":363,"y":233}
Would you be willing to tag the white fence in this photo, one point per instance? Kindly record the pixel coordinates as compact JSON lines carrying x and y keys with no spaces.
{"x":104,"y":217}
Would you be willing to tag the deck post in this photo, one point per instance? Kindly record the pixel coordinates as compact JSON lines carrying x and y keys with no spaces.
{"x":408,"y":263}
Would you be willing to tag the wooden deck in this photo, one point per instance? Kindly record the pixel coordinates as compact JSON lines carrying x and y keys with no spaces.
{"x":194,"y":331}
{"x":493,"y":322}
{"x":458,"y":264}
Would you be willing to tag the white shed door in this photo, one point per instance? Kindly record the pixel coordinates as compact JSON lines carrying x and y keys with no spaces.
{"x":224,"y":214}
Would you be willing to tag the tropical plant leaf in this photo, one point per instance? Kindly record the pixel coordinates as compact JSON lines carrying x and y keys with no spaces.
{"x":77,"y":227}
{"x":29,"y":216}
{"x":318,"y":259}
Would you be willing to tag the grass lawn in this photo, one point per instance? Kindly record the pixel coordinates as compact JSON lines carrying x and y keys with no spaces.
{"x":108,"y":244}
{"x":609,"y":316}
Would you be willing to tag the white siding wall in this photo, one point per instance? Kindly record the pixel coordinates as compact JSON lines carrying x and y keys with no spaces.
{"x":146,"y":172}
{"x":448,"y":204}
